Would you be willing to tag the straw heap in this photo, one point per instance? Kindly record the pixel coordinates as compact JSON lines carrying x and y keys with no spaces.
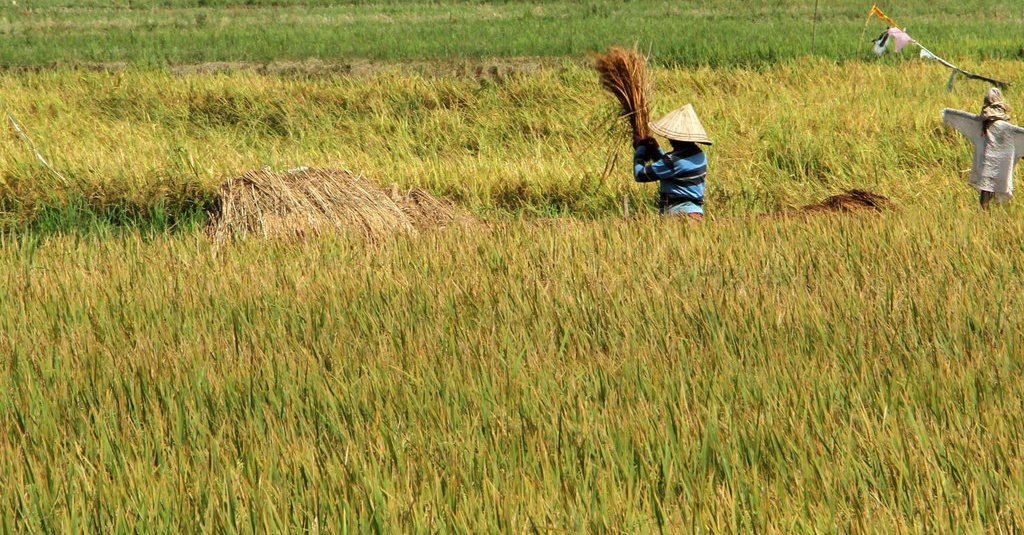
{"x":850,"y":201}
{"x":268,"y":205}
{"x":624,"y":73}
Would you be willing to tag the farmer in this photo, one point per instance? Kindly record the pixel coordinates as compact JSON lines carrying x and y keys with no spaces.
{"x":681,"y":171}
{"x":997,"y":146}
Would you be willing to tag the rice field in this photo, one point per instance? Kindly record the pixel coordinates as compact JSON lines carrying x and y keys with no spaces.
{"x":808,"y":374}
{"x":530,"y":139}
{"x":553,"y":366}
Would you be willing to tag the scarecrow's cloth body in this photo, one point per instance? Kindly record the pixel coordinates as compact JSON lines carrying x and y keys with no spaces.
{"x":995,"y":151}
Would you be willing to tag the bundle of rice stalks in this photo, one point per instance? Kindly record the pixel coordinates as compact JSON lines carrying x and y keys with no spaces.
{"x":849,"y":201}
{"x":624,"y":74}
{"x":308,"y":202}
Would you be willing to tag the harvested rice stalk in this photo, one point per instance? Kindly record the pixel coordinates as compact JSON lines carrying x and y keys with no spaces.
{"x":624,"y":74}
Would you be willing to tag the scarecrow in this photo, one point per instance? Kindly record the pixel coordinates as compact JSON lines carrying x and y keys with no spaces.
{"x":997,"y":146}
{"x":681,"y":171}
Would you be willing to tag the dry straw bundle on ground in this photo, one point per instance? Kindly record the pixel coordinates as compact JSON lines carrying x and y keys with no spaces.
{"x":269,"y":205}
{"x":624,"y":74}
{"x":850,"y":201}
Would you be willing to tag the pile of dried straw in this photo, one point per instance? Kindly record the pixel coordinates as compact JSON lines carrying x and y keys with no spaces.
{"x":624,"y":74}
{"x":850,"y":201}
{"x":268,"y":205}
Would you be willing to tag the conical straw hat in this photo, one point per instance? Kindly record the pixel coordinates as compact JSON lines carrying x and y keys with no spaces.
{"x":681,"y":125}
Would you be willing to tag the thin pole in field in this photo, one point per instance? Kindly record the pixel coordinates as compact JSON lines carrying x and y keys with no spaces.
{"x":814,"y":27}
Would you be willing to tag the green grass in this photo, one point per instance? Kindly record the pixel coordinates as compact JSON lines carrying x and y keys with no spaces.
{"x":688,"y":34}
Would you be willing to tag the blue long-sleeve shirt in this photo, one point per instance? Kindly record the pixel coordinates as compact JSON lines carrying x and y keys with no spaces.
{"x":681,"y":174}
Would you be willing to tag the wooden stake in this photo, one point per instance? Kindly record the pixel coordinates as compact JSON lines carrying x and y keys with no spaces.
{"x":814,"y":27}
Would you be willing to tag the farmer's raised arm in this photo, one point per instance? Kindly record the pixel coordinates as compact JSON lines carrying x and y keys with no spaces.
{"x":644,"y":172}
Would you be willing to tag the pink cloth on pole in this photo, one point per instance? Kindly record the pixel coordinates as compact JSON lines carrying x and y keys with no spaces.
{"x":899,"y":38}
